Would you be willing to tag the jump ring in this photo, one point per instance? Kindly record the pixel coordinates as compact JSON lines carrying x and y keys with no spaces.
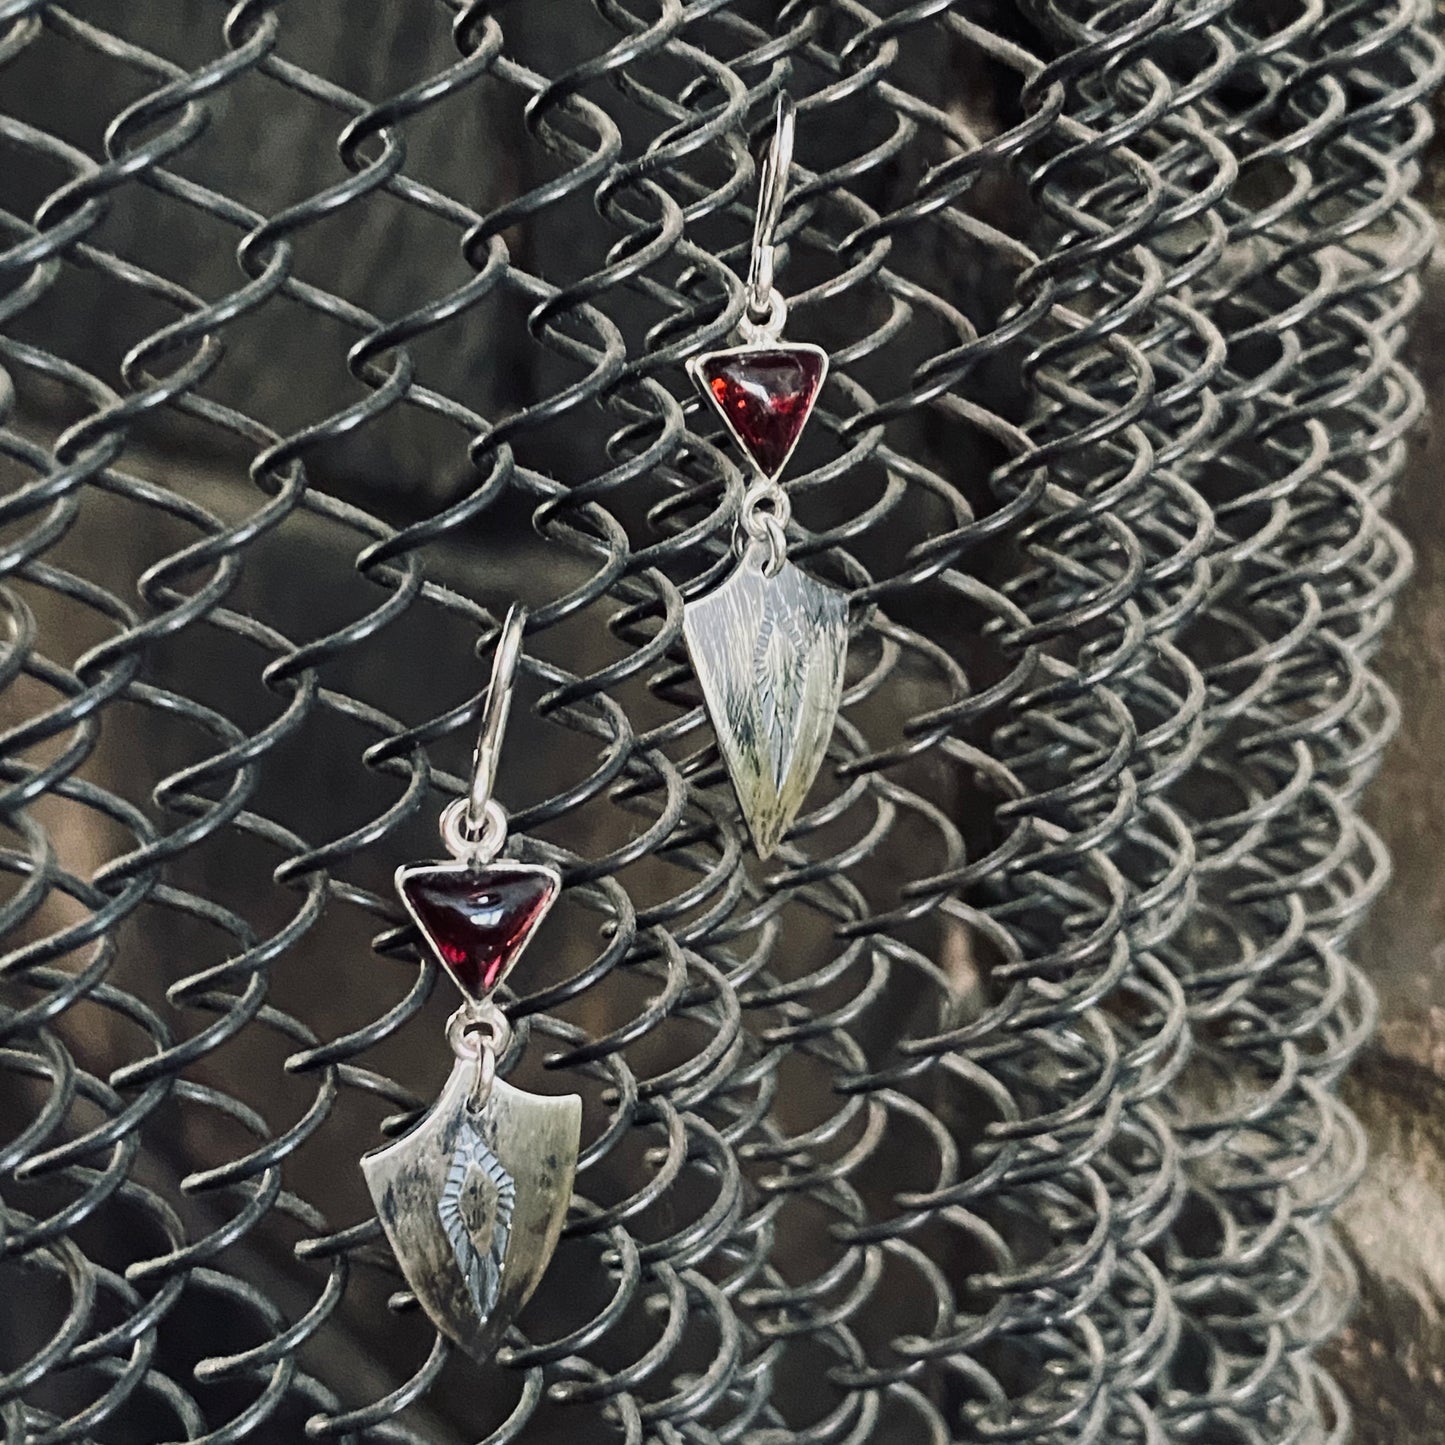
{"x":772,"y":545}
{"x":475,"y":1027}
{"x":480,"y":1032}
{"x":770,"y":328}
{"x":462,"y":843}
{"x":762,"y":499}
{"x":486,"y":1077}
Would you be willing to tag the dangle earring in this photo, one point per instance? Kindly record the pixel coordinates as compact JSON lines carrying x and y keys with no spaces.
{"x":769,"y":645}
{"x":473,"y":1198}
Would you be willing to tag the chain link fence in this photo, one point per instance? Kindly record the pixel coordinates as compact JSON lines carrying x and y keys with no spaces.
{"x":1001,"y":1105}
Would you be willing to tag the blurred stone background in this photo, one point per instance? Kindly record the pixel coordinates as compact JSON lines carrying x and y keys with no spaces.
{"x":1393,"y":1356}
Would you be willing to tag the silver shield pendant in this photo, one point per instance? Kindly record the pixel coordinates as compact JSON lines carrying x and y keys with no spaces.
{"x":769,"y":652}
{"x":473,"y":1200}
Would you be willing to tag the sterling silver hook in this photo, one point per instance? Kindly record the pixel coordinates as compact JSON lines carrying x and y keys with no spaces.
{"x":494,"y":717}
{"x":475,"y":827}
{"x":772,"y":192}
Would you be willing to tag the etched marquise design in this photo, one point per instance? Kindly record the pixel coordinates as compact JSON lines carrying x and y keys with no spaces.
{"x":473,"y":1201}
{"x":476,"y":1208}
{"x":769,"y":653}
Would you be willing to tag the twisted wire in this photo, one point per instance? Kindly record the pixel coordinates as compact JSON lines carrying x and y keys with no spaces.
{"x":1297,"y":721}
{"x":900,"y":1137}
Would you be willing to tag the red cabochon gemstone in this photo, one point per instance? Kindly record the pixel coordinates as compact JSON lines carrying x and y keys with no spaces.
{"x":767,"y":396}
{"x":478,"y":920}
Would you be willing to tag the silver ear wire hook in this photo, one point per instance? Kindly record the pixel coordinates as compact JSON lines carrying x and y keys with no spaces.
{"x":494,"y":716}
{"x":475,"y":827}
{"x":763,"y":301}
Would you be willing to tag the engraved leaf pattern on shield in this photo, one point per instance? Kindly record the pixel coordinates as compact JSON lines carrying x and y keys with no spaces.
{"x":780,"y":677}
{"x":769,"y":653}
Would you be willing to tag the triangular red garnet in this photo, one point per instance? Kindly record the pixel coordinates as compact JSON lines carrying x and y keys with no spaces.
{"x":765,"y":395}
{"x":477,"y":920}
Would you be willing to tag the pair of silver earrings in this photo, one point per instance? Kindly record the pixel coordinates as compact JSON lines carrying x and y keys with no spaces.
{"x":473,"y":1198}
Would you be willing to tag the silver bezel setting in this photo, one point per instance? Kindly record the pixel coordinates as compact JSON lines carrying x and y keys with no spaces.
{"x":695,"y":366}
{"x":458,"y":866}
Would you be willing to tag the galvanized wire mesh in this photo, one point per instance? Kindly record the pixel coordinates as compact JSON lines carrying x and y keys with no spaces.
{"x":1002,"y":1108}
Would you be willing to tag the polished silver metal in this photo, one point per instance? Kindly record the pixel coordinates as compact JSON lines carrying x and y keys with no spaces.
{"x":769,"y":651}
{"x":474,"y":828}
{"x":476,"y":1026}
{"x":466,"y":843}
{"x":480,"y":1028}
{"x":765,"y":329}
{"x":495,"y":711}
{"x":764,"y":527}
{"x":473,"y":1200}
{"x":765,"y":306}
